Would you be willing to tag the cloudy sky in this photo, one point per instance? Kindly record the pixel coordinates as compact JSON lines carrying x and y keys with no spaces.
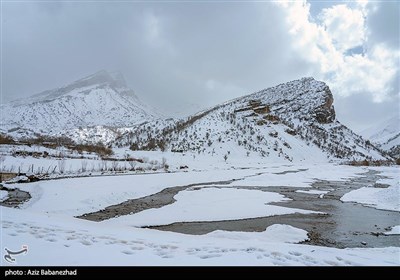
{"x":177,"y":54}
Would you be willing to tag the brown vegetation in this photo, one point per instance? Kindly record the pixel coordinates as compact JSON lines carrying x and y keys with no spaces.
{"x":5,"y":139}
{"x":366,"y":162}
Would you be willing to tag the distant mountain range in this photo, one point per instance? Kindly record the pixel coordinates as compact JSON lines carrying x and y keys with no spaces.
{"x":386,"y":135}
{"x":102,"y":99}
{"x":293,"y":121}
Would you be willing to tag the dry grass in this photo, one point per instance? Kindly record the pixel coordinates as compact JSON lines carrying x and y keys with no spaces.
{"x":371,"y":162}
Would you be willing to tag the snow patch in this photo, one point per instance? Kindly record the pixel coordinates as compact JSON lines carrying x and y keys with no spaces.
{"x":274,"y":233}
{"x":394,"y":230}
{"x":3,"y":195}
{"x":211,"y":204}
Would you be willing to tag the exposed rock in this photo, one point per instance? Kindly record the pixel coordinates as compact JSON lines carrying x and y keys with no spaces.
{"x":326,"y":112}
{"x":33,"y":178}
{"x":261,"y":109}
{"x":301,"y":108}
{"x":290,"y":131}
{"x":271,"y":118}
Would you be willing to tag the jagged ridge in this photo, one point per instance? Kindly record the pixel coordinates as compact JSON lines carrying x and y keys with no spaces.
{"x":292,"y":121}
{"x":101,"y":99}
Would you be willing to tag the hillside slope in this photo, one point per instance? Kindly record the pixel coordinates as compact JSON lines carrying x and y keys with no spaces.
{"x":102,"y":99}
{"x":293,"y":121}
{"x":386,"y":135}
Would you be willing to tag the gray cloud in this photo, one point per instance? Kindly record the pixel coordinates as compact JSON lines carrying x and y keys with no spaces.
{"x":361,"y":112}
{"x":384,"y":23}
{"x":358,"y":110}
{"x":172,"y":54}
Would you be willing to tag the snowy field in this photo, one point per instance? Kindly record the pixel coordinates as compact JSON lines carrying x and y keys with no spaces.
{"x":386,"y":198}
{"x":47,"y":223}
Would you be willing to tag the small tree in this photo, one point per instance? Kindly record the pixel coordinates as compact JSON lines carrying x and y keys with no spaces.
{"x":164,"y":163}
{"x":2,"y":159}
{"x":61,"y":165}
{"x":114,"y":165}
{"x":132,"y":164}
{"x":225,"y":157}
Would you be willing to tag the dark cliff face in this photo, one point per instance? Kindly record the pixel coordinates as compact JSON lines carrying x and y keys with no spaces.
{"x":326,"y":112}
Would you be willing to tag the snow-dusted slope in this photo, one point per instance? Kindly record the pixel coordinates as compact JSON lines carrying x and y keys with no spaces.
{"x":290,"y":122}
{"x":293,"y":121}
{"x":102,"y":99}
{"x":386,"y":135}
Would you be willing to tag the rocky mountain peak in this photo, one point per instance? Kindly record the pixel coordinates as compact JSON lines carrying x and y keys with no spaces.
{"x":101,"y":99}
{"x":326,"y":112}
{"x":291,"y":121}
{"x":101,"y":77}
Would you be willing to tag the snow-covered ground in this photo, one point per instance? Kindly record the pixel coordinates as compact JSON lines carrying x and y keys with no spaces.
{"x":96,"y":193}
{"x":67,"y":241}
{"x":300,"y":176}
{"x":212,"y":204}
{"x":380,"y":198}
{"x":46,"y":223}
{"x":394,"y":230}
{"x":61,"y":161}
{"x":386,"y":133}
{"x":3,"y":195}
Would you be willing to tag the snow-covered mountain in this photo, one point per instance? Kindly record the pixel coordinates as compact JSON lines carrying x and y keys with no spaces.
{"x":84,"y":108}
{"x":290,"y":122}
{"x":386,"y":135}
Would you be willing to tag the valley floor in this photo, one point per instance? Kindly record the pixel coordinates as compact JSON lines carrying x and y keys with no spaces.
{"x":288,"y":201}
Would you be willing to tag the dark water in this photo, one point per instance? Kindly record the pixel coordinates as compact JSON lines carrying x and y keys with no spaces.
{"x":15,"y":197}
{"x":132,"y":206}
{"x":343,"y":225}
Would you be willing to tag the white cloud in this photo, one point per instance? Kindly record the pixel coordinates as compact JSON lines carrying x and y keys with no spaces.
{"x":207,"y":53}
{"x":345,"y":26}
{"x":310,"y":40}
{"x":325,"y":45}
{"x":370,"y":74}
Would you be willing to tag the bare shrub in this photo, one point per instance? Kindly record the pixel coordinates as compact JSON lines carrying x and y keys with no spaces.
{"x":5,"y":139}
{"x":114,"y":165}
{"x":164,"y":163}
{"x":132,"y":164}
{"x":99,"y":149}
{"x":104,"y":165}
{"x":84,"y":164}
{"x":61,"y":165}
{"x":2,"y":159}
{"x":100,"y":166}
